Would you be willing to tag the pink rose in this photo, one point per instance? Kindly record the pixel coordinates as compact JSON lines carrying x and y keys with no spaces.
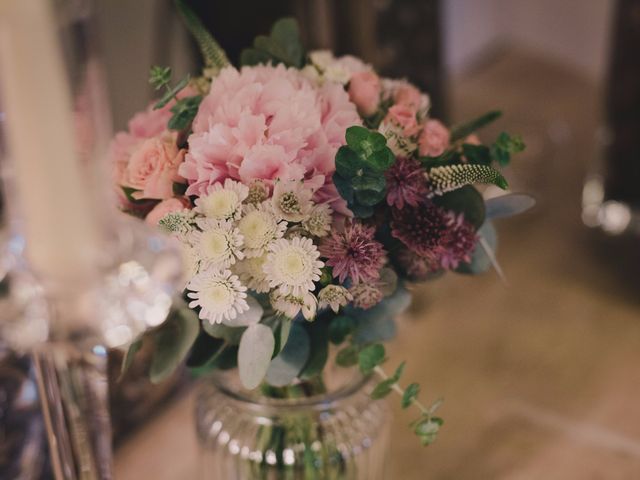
{"x":364,"y":92}
{"x":408,"y":95}
{"x":434,"y":139}
{"x":403,"y":116}
{"x":165,"y":207}
{"x":153,"y":168}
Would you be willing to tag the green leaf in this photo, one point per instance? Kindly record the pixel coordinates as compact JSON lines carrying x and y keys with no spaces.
{"x":184,"y":111}
{"x":466,"y":129}
{"x":291,"y":359}
{"x":283,"y":45}
{"x":355,"y":135}
{"x":466,"y":200}
{"x":383,"y":389}
{"x":214,"y":56}
{"x":410,"y":394}
{"x":509,"y":205}
{"x":129,"y":356}
{"x":172,"y":341}
{"x":451,"y":177}
{"x":504,"y":146}
{"x":170,"y":94}
{"x":361,"y":211}
{"x":344,"y":187}
{"x":204,"y":350}
{"x":159,"y":76}
{"x":399,"y":371}
{"x":348,"y":162}
{"x":347,"y":357}
{"x":369,"y":198}
{"x":381,"y":160}
{"x":254,"y":354}
{"x":370,"y":357}
{"x":340,"y":328}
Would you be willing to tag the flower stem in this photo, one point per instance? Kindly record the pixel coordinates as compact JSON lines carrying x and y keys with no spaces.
{"x":400,"y":391}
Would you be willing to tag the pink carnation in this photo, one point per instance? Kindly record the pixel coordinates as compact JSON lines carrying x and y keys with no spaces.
{"x":364,"y":91}
{"x":265,"y":123}
{"x":164,"y":208}
{"x":153,"y":168}
{"x":434,"y":139}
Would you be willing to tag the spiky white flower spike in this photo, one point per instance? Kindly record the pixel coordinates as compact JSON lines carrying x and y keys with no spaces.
{"x":451,"y":177}
{"x":292,"y":265}
{"x":220,"y":295}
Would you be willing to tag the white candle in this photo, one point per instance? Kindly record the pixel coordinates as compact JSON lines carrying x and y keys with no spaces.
{"x":61,"y":233}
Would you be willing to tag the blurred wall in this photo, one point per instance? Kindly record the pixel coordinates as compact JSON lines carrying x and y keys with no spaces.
{"x":575,"y":32}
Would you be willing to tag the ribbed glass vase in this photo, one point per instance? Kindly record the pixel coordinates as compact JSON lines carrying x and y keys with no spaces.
{"x":341,"y":434}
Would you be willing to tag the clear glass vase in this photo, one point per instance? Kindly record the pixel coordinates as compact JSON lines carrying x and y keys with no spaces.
{"x":342,"y":434}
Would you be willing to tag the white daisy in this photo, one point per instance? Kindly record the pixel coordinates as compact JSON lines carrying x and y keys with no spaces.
{"x":251,"y":273}
{"x":220,"y":295}
{"x":291,"y":305}
{"x":218,"y":244}
{"x":292,"y":265}
{"x":319,"y":221}
{"x":334,"y":296}
{"x":223,"y":202}
{"x":291,"y":200}
{"x":259,"y":227}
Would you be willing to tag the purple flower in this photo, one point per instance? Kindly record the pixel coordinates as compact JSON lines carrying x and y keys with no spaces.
{"x":459,"y":244}
{"x":406,"y":183}
{"x":354,"y":253}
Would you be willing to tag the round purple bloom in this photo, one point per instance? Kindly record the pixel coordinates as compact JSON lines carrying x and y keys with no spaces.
{"x":354,"y":253}
{"x":406,"y":183}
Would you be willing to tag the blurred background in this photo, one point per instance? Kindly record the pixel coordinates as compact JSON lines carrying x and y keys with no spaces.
{"x":540,"y":376}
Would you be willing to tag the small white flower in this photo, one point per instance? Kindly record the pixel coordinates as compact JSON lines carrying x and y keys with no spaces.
{"x":399,"y":144}
{"x":251,"y":273}
{"x":258,"y":192}
{"x":218,"y":244}
{"x":334,"y":296}
{"x":223,"y":202}
{"x":291,"y":305}
{"x":319,"y":221}
{"x":291,"y":200}
{"x":178,"y":223}
{"x":366,"y":295}
{"x":259,"y":227}
{"x":292,"y":265}
{"x":220,"y":295}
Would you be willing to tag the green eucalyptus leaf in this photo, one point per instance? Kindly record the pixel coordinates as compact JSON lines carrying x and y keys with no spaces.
{"x":344,"y":187}
{"x":509,"y":205}
{"x":348,"y":162}
{"x":370,"y":357}
{"x":254,"y":354}
{"x":356,"y":135}
{"x":361,"y":211}
{"x":381,"y":160}
{"x":292,"y":358}
{"x":399,"y":371}
{"x":382,"y":389}
{"x":369,"y":198}
{"x":283,"y":45}
{"x":410,"y":394}
{"x":204,"y":350}
{"x":231,"y":335}
{"x":347,"y":357}
{"x":172,"y":341}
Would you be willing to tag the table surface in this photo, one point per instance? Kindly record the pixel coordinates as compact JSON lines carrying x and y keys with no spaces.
{"x":540,"y":377}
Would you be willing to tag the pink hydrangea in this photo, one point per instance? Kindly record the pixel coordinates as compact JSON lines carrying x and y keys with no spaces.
{"x":265,"y":123}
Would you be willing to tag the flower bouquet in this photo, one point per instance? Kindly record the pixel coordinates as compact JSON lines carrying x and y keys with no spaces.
{"x":307,"y":194}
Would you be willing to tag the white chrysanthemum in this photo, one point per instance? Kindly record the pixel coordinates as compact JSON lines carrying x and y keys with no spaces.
{"x":292,"y":265}
{"x":291,"y":305}
{"x":259,"y":227}
{"x":223,"y":202}
{"x":251,"y":273}
{"x":291,"y":200}
{"x":334,"y":296}
{"x":218,"y":244}
{"x":220,"y":295}
{"x":319,"y":221}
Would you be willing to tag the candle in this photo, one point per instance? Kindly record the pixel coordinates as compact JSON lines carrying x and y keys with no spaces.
{"x":60,"y":231}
